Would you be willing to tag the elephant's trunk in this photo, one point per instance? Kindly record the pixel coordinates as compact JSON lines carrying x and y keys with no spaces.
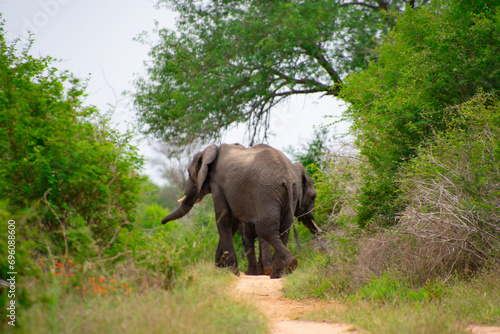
{"x":186,"y":205}
{"x":309,"y":222}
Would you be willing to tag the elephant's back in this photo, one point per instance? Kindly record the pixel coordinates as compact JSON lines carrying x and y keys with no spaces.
{"x":260,"y":159}
{"x":255,"y":181}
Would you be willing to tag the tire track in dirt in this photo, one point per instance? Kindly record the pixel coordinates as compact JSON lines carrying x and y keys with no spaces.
{"x":266,"y":294}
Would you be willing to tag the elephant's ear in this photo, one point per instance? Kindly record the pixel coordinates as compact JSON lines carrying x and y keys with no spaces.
{"x":304,"y":182}
{"x":207,"y":157}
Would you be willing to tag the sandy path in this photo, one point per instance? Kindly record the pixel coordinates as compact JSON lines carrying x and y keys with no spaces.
{"x":282,"y":313}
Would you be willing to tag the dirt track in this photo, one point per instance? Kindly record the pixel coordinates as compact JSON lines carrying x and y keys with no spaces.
{"x":282,"y":313}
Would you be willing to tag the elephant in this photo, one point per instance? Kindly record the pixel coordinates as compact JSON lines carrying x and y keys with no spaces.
{"x":265,"y":263}
{"x":255,"y":186}
{"x":303,"y":212}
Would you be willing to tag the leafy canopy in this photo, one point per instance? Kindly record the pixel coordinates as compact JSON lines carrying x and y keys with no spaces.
{"x":231,"y":62}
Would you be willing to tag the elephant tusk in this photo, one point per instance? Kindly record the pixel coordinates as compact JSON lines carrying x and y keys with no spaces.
{"x":317,"y":227}
{"x":199,"y":200}
{"x":182,"y":199}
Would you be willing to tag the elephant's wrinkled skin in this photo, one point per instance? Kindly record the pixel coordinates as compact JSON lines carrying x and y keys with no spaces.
{"x":255,"y":186}
{"x":303,"y":212}
{"x":265,"y":263}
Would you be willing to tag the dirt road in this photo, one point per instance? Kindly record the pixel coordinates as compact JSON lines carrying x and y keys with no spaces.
{"x":266,"y":294}
{"x":282,"y":312}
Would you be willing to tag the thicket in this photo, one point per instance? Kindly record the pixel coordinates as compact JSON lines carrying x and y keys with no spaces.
{"x":420,"y":204}
{"x":435,"y":58}
{"x":87,"y":222}
{"x":67,"y":178}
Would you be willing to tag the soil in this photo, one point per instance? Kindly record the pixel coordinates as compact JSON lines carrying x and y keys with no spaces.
{"x":266,"y":294}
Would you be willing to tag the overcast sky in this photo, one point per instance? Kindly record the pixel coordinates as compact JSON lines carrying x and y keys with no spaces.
{"x":94,"y":40}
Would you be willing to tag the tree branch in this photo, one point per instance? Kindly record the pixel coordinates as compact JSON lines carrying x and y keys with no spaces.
{"x":302,"y":91}
{"x":114,"y":257}
{"x":309,"y":82}
{"x":316,"y":53}
{"x":360,"y":4}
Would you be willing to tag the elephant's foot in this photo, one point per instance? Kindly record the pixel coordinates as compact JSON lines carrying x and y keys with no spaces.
{"x":252,"y":272}
{"x":290,"y":265}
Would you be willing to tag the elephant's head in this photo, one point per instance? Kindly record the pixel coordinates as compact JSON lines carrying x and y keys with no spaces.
{"x":198,"y":184}
{"x":305,"y":204}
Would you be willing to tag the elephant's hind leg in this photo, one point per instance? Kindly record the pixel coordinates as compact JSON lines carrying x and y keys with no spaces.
{"x":283,"y":260}
{"x":265,"y":258}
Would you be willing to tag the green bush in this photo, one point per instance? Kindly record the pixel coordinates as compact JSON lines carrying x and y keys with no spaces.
{"x":20,"y":259}
{"x":61,"y":157}
{"x":148,"y":216}
{"x":453,"y":214}
{"x":435,"y":57}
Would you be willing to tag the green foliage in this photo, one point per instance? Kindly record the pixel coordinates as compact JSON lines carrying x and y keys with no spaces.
{"x":19,"y":257}
{"x":336,"y":187}
{"x":434,"y":58}
{"x":165,"y":251}
{"x":62,"y":158}
{"x":149,"y":216}
{"x":314,"y":155}
{"x":391,"y":288}
{"x":452,"y":191}
{"x":152,"y":215}
{"x":331,"y":174}
{"x":232,"y":61}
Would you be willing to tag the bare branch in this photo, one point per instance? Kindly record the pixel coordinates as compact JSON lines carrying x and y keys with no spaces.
{"x":299,"y":91}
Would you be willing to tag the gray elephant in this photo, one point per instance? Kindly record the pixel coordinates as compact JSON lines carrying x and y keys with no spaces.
{"x":303,"y":212}
{"x":265,"y":264}
{"x":255,"y":186}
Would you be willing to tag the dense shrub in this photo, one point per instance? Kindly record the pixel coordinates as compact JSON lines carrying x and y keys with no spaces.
{"x":451,"y":224}
{"x":69,"y":181}
{"x":453,"y":216}
{"x":435,"y":57}
{"x":61,"y":157}
{"x":449,"y":227}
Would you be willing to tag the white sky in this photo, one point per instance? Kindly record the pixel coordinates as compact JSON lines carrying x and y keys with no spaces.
{"x":94,"y":40}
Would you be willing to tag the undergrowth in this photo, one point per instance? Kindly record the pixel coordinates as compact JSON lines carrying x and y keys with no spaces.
{"x":124,"y":303}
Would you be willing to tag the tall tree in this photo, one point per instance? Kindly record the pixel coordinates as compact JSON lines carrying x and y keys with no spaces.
{"x":232,"y":61}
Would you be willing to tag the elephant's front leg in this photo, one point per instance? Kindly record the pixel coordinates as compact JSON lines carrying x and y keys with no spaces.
{"x":225,"y":255}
